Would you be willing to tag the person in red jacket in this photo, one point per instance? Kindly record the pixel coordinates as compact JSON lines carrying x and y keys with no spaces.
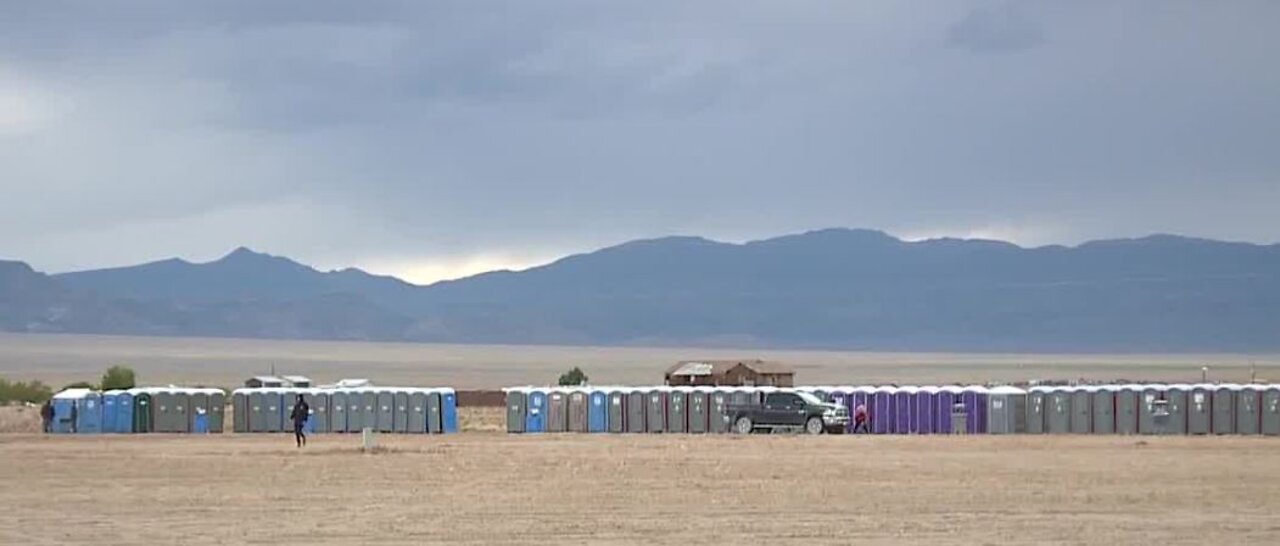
{"x":860,"y":420}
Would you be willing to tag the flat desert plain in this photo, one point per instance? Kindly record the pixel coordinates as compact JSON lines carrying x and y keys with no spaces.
{"x":492,"y":488}
{"x":62,"y":359}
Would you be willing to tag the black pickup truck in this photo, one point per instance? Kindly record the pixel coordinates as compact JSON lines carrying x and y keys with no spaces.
{"x":788,"y":410}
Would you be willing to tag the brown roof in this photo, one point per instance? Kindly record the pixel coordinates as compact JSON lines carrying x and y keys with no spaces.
{"x":719,"y":367}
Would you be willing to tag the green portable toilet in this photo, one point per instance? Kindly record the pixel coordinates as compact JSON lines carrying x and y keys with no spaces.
{"x":1200,"y":409}
{"x":617,"y":410}
{"x":1149,"y":408}
{"x":402,"y":411}
{"x":418,"y":411}
{"x":579,"y":407}
{"x":1224,"y":409}
{"x":557,"y":410}
{"x":1036,"y":406}
{"x":656,"y":415}
{"x":1082,"y":409}
{"x":1176,"y":397}
{"x":516,"y":400}
{"x":1127,"y":401}
{"x":435,"y":411}
{"x":163,"y":404}
{"x":678,"y":409}
{"x":143,"y":416}
{"x":386,"y":410}
{"x":239,"y":411}
{"x":337,"y":410}
{"x":257,"y":410}
{"x":1058,"y":410}
{"x":1104,"y":409}
{"x":1248,"y":404}
{"x":718,"y":411}
{"x":637,"y":404}
{"x":1006,"y":410}
{"x":698,"y":404}
{"x":197,"y":406}
{"x":369,"y":408}
{"x":1271,"y":410}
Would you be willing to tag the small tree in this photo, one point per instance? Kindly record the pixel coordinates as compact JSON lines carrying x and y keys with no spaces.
{"x":118,"y":377}
{"x":573,"y":377}
{"x":80,"y":385}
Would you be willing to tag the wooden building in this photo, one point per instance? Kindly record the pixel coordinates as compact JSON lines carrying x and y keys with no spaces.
{"x":720,"y":373}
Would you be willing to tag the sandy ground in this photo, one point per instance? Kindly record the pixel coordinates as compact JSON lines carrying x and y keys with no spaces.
{"x":601,"y":489}
{"x":226,"y":363}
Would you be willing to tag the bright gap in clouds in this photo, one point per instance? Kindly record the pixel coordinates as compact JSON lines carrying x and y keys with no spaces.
{"x":433,"y":270}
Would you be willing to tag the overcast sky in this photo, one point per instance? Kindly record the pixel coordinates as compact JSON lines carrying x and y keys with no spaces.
{"x":432,"y":139}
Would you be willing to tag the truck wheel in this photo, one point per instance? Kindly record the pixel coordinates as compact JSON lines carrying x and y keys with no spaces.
{"x":744,"y":425}
{"x":814,"y":425}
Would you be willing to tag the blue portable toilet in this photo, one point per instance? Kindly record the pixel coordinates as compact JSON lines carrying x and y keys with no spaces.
{"x":536,"y":418}
{"x":598,"y":411}
{"x":63,"y":403}
{"x":89,"y":413}
{"x":124,"y":411}
{"x":109,"y":411}
{"x":449,"y":409}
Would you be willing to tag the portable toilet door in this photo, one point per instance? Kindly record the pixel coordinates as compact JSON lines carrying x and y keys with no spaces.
{"x":1006,"y":410}
{"x":368,"y":409}
{"x":321,"y":415}
{"x":656,"y":415}
{"x":217,"y":410}
{"x":1176,"y":404}
{"x":417,"y":423}
{"x":698,"y":408}
{"x":637,"y":406}
{"x":401,"y":418}
{"x":1271,"y":410}
{"x":884,"y":414}
{"x":89,"y":414}
{"x":1248,"y":418}
{"x":677,"y":409}
{"x":718,"y":411}
{"x":617,"y":410}
{"x":109,"y":411}
{"x":1036,"y":398}
{"x":1200,"y":409}
{"x":1148,"y":408}
{"x":1224,"y":410}
{"x":1082,"y":410}
{"x":515,"y":410}
{"x":162,"y":405}
{"x":198,"y":412}
{"x":256,"y":420}
{"x":975,"y":406}
{"x":386,"y":410}
{"x":184,"y":411}
{"x":943,"y":404}
{"x":536,"y":419}
{"x":579,"y":411}
{"x":435,"y":412}
{"x":902,"y":409}
{"x":598,"y":411}
{"x":557,"y":411}
{"x":1104,"y":410}
{"x":1058,"y":412}
{"x":273,"y":410}
{"x":337,"y":411}
{"x":922,"y":414}
{"x":1127,"y":398}
{"x":143,"y":413}
{"x":239,"y":411}
{"x":449,"y":410}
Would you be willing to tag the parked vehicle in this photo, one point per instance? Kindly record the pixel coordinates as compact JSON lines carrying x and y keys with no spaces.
{"x":788,"y":410}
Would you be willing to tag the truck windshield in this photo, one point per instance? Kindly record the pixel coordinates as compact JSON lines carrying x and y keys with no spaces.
{"x":809,"y":398}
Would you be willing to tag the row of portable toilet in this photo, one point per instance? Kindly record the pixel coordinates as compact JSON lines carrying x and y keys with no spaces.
{"x":891,"y":410}
{"x":384,"y":409}
{"x":944,"y":409}
{"x":139,"y":410}
{"x":1154,"y":409}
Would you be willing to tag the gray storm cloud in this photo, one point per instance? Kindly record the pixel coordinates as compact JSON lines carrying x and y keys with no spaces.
{"x":393,"y":133}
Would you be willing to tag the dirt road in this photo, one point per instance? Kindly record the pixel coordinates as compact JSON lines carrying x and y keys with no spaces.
{"x":493,"y":488}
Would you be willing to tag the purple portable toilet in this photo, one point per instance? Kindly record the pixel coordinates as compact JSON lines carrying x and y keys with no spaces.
{"x":882,"y":410}
{"x":975,"y":409}
{"x":943,"y":401}
{"x":905,"y":400}
{"x":858,"y":396}
{"x":924,"y":414}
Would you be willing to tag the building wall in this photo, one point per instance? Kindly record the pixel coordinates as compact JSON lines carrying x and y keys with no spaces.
{"x":736,"y":376}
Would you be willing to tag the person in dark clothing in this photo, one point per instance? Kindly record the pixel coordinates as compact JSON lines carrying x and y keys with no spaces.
{"x":860,"y":420}
{"x":46,"y":416}
{"x":301,"y":411}
{"x":74,"y":413}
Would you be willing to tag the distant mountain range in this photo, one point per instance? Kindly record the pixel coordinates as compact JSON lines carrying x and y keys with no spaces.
{"x":837,"y":288}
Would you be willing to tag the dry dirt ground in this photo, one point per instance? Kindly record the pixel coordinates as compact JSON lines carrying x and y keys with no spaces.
{"x":492,"y":488}
{"x":62,"y":359}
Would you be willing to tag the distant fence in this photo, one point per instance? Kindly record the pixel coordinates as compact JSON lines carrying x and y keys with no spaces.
{"x":484,"y":398}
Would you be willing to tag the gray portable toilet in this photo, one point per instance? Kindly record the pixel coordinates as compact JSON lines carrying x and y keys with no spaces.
{"x":257,"y":401}
{"x":162,"y":404}
{"x":656,"y":415}
{"x":239,"y":411}
{"x":1006,"y":410}
{"x":1200,"y":409}
{"x":579,"y":410}
{"x":321,"y":416}
{"x":418,"y":411}
{"x":699,"y":410}
{"x":557,"y":410}
{"x":1224,"y":409}
{"x":217,"y":410}
{"x":401,"y":418}
{"x":1036,"y":406}
{"x":1147,"y":408}
{"x":637,"y":405}
{"x":717,"y":412}
{"x":181,"y":411}
{"x":677,"y":409}
{"x":515,"y":409}
{"x":435,"y":411}
{"x":197,"y":405}
{"x":1127,"y":398}
{"x":273,"y":412}
{"x":1058,"y":410}
{"x":386,"y":408}
{"x":337,"y":410}
{"x":617,"y":410}
{"x":368,"y":408}
{"x":1104,"y":409}
{"x":1176,"y":404}
{"x":1271,"y":410}
{"x":1082,"y":409}
{"x":355,"y":409}
{"x":1248,"y":416}
{"x":288,"y":398}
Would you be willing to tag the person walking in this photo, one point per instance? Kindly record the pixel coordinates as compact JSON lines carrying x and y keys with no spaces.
{"x":46,"y":416}
{"x":860,"y":420}
{"x":301,"y":412}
